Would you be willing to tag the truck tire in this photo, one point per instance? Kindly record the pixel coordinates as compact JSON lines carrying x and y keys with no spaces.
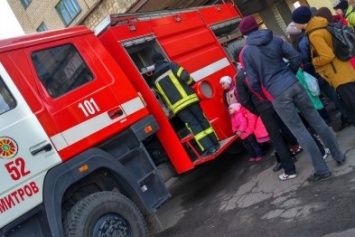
{"x":105,"y":214}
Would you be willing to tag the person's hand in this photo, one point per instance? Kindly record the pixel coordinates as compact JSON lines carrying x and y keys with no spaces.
{"x":238,"y":133}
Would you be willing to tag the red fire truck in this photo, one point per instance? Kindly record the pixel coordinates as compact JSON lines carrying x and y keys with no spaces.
{"x":188,"y":38}
{"x":81,"y":131}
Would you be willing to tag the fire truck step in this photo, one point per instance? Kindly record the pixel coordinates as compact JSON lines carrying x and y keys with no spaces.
{"x":223,"y":145}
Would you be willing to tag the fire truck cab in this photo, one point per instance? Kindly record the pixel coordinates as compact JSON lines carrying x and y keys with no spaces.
{"x":72,"y":159}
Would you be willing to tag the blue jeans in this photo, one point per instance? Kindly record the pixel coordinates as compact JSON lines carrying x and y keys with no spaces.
{"x":286,"y":104}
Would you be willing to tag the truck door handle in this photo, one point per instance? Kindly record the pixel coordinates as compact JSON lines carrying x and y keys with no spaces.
{"x":115,"y":113}
{"x":44,"y":148}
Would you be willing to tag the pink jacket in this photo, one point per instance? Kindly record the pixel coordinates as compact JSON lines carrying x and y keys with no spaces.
{"x":242,"y":121}
{"x":260,"y":131}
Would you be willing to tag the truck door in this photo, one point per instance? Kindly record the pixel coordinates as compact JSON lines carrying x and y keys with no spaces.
{"x":26,"y":153}
{"x":86,"y":102}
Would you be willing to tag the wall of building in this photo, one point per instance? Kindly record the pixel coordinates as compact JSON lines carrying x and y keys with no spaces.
{"x":323,"y":3}
{"x":275,"y":15}
{"x":92,"y":12}
{"x":41,"y":11}
{"x":105,"y":8}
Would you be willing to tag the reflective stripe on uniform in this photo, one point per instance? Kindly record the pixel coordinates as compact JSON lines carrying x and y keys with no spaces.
{"x":198,"y":137}
{"x":177,"y":85}
{"x":184,"y":101}
{"x":209,"y":130}
{"x":161,"y":91}
{"x":179,"y":72}
{"x":201,"y":135}
{"x":190,"y":81}
{"x":164,"y":95}
{"x":193,"y":98}
{"x":162,"y":76}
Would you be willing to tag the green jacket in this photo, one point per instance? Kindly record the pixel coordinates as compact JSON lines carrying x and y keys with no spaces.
{"x":350,"y":16}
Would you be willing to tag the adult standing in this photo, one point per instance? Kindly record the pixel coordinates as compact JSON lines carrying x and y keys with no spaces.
{"x":173,"y":83}
{"x":269,"y":75}
{"x":301,"y":43}
{"x":263,"y":108}
{"x":339,"y":74}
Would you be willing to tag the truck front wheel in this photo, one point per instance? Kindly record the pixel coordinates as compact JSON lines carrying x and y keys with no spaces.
{"x":105,"y":214}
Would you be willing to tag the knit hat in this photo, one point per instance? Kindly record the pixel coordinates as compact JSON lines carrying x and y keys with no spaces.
{"x":247,"y":25}
{"x":291,"y":29}
{"x":301,"y":15}
{"x":235,"y":106}
{"x":157,"y":57}
{"x":225,"y":79}
{"x":343,"y":5}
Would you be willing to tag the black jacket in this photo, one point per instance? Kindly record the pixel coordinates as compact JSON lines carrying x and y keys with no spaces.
{"x":247,"y":98}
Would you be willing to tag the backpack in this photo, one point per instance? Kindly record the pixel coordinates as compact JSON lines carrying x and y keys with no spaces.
{"x":343,"y":40}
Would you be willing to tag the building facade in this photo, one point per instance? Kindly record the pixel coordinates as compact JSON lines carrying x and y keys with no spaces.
{"x":39,"y":15}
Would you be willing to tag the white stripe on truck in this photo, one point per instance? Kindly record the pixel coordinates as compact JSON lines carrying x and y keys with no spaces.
{"x":210,"y":69}
{"x":95,"y":124}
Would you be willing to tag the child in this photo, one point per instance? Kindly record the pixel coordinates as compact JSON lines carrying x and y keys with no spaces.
{"x":229,"y":90}
{"x":243,"y":123}
{"x":340,"y":8}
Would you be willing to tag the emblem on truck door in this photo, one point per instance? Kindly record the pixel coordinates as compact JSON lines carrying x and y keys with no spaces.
{"x":8,"y":148}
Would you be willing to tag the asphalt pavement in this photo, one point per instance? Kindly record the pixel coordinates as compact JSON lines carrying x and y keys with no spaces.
{"x":233,"y":197}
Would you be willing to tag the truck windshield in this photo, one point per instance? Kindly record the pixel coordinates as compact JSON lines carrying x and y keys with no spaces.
{"x":61,"y":69}
{"x":7,"y":101}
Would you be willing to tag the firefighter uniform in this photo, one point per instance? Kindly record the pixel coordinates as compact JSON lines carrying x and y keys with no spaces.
{"x":173,"y":82}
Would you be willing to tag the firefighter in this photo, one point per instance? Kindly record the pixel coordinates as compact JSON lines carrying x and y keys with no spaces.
{"x":173,"y":83}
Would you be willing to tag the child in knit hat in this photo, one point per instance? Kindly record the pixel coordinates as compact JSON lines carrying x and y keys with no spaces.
{"x":243,"y":124}
{"x":340,"y":13}
{"x":230,"y":93}
{"x":340,"y":7}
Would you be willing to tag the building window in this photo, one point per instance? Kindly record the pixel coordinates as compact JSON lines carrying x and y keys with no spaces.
{"x":42,"y":27}
{"x":68,"y":10}
{"x":25,"y":3}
